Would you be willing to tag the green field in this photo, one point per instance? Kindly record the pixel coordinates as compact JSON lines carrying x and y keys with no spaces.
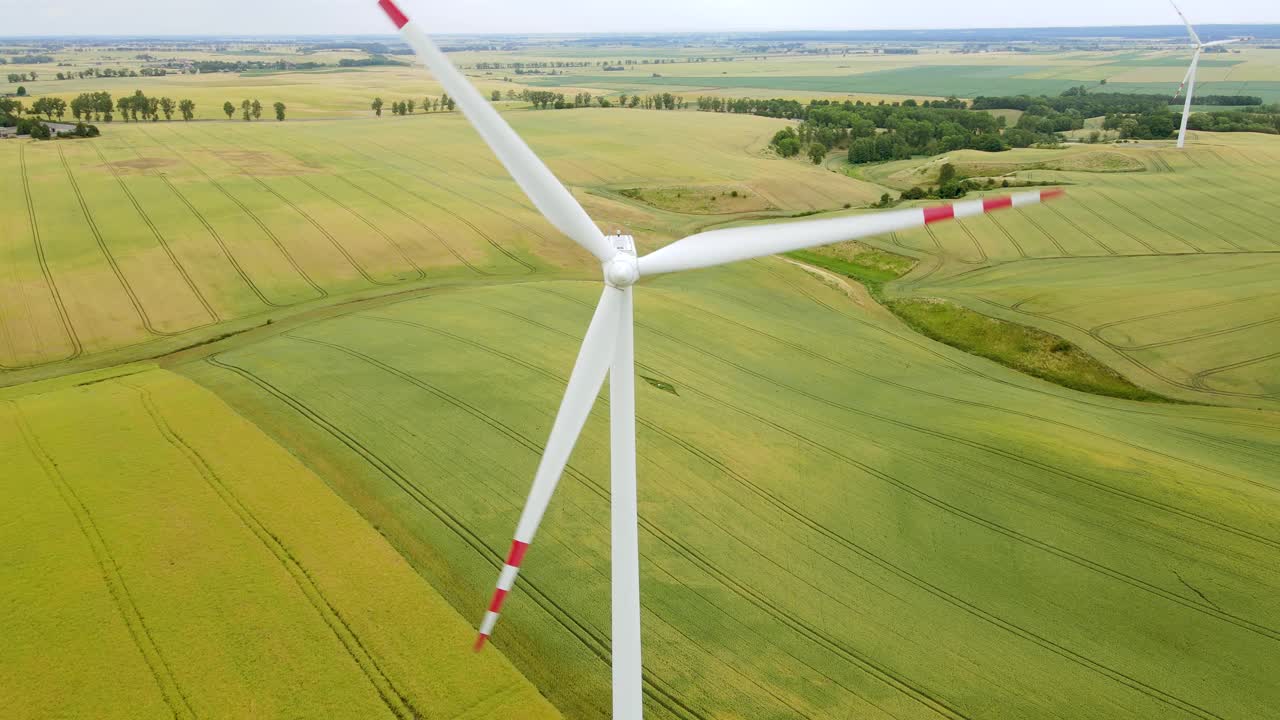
{"x":816,"y":476}
{"x":273,"y":393}
{"x":149,"y":573}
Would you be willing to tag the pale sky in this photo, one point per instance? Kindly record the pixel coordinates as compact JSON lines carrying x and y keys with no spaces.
{"x":291,"y":17}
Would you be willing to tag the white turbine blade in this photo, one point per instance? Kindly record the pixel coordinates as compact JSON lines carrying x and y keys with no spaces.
{"x":542,"y":187}
{"x":589,"y":370}
{"x":1222,"y":42}
{"x":628,"y":699}
{"x":1190,"y":30}
{"x":1183,"y":86}
{"x":718,"y":247}
{"x":1186,"y":107}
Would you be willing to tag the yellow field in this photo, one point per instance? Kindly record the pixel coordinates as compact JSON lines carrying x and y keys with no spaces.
{"x":151,"y":571}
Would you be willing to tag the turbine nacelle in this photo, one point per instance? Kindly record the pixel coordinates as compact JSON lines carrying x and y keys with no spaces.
{"x":622,"y":270}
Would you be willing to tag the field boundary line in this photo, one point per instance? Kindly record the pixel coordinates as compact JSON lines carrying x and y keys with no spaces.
{"x":134,"y":621}
{"x":391,"y":696}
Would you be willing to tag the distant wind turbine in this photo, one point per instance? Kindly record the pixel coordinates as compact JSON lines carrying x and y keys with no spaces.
{"x":1189,"y":81}
{"x":608,"y":348}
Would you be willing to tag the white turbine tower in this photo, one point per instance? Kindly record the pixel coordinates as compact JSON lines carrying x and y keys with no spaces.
{"x":608,"y":346}
{"x":1189,"y":81}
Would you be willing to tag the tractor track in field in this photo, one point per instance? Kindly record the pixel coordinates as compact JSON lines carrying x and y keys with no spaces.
{"x":937,"y":502}
{"x":76,"y":348}
{"x":1092,"y":238}
{"x":112,"y":577}
{"x":106,"y":252}
{"x":1227,"y":203}
{"x":161,"y":241}
{"x":421,"y":275}
{"x":1199,"y":378}
{"x":1150,"y":223}
{"x":957,"y":258}
{"x":1179,"y":311}
{"x":496,"y":245}
{"x":1049,"y":236}
{"x":1133,"y":360}
{"x":416,"y":221}
{"x":819,"y":528}
{"x":1169,"y":211}
{"x":284,"y":252}
{"x":1200,"y":336}
{"x":342,"y":250}
{"x":591,"y":639}
{"x":977,"y":245}
{"x":1008,"y":235}
{"x":395,"y":700}
{"x":213,"y":233}
{"x":222,"y":245}
{"x":762,"y":603}
{"x":1118,"y":229}
{"x":371,"y":225}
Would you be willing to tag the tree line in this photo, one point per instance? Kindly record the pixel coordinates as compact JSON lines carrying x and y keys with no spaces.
{"x":101,"y":106}
{"x":444,"y":103}
{"x":11,"y":115}
{"x":874,"y":133}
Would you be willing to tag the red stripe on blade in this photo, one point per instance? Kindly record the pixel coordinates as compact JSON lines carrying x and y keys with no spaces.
{"x":480,"y":642}
{"x":995,"y":203}
{"x":935,"y":214}
{"x":498,"y":596}
{"x":517,"y":553}
{"x":1051,"y":194}
{"x":394,"y":13}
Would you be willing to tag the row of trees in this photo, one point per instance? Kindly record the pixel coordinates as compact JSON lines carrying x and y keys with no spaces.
{"x":23,"y":77}
{"x":794,"y":110}
{"x":252,"y":109}
{"x":1261,"y":120}
{"x":444,"y":103}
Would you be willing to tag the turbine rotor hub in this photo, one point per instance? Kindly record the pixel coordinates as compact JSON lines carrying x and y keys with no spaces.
{"x":621,"y":271}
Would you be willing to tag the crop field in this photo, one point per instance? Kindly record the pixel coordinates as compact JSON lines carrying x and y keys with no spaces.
{"x":149,"y":573}
{"x":810,"y":477}
{"x":161,"y":234}
{"x":1167,"y":273}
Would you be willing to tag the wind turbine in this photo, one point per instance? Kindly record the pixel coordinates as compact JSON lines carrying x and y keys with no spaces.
{"x":608,"y":348}
{"x":1189,"y":81}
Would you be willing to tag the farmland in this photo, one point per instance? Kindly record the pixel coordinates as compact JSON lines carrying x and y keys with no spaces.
{"x":811,"y":476}
{"x":272,"y":393}
{"x":174,"y":583}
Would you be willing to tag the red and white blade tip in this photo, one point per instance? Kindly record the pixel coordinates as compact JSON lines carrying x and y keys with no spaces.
{"x":505,"y":581}
{"x":393,"y":12}
{"x":939,"y":213}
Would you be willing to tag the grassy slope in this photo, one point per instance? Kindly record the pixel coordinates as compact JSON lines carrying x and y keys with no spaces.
{"x":1017,"y":346}
{"x":1165,"y":275}
{"x":163,"y":558}
{"x":819,"y":477}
